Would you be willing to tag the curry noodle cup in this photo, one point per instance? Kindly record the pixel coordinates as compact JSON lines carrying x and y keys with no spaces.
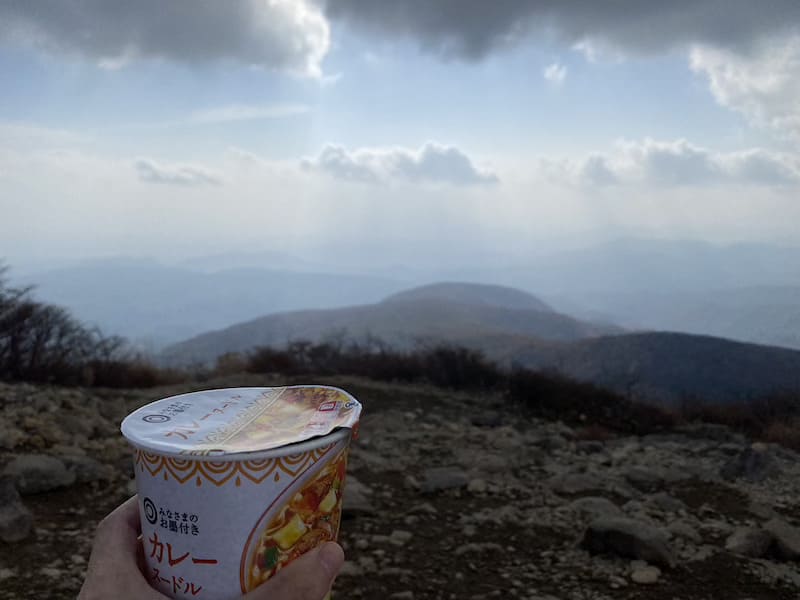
{"x":234,"y":484}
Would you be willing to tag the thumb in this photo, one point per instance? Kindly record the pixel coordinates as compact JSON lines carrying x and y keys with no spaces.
{"x":308,"y":578}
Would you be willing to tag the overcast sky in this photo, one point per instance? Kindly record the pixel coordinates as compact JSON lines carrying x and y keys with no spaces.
{"x":412,"y":130}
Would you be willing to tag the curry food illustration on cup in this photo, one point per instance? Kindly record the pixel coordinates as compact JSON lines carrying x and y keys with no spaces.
{"x":234,"y":484}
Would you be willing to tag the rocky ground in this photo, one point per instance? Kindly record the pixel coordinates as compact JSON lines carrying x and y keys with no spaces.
{"x":449,"y":496}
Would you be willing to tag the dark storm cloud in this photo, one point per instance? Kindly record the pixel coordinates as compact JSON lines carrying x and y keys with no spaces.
{"x":284,"y":34}
{"x":471,"y":29}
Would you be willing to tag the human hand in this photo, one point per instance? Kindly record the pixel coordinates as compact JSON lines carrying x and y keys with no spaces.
{"x":117,"y":563}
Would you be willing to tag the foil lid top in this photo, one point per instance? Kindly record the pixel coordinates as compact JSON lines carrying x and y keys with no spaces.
{"x":231,"y":421}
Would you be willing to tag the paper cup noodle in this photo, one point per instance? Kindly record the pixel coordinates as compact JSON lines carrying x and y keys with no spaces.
{"x":234,"y":484}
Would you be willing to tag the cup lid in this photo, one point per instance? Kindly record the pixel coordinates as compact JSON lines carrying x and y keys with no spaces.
{"x":230,"y":421}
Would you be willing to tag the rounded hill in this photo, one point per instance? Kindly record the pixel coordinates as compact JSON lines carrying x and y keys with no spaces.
{"x":474,"y":294}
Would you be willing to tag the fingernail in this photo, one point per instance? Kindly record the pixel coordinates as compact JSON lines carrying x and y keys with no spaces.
{"x":331,"y":556}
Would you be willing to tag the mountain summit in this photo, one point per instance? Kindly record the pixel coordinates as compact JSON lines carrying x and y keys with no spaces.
{"x":473,"y":293}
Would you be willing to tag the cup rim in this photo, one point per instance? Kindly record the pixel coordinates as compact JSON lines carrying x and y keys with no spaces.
{"x":287,"y":450}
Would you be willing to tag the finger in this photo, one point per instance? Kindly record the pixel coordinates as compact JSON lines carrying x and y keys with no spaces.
{"x":308,"y":578}
{"x":116,"y":557}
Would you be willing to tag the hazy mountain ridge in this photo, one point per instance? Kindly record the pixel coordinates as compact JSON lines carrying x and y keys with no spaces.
{"x":670,"y":366}
{"x":476,"y":294}
{"x":760,"y":314}
{"x":675,"y":285}
{"x":425,"y":314}
{"x":157,"y":304}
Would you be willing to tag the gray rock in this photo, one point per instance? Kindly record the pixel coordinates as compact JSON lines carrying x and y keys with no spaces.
{"x":575,"y":483}
{"x":786,"y":539}
{"x":749,"y":541}
{"x":356,"y":498}
{"x":477,"y":486}
{"x":595,"y":506}
{"x":10,"y":437}
{"x":549,"y":442}
{"x":443,"y":478}
{"x":36,"y":473}
{"x":651,"y":478}
{"x":589,"y":446}
{"x":645,"y":575}
{"x":398,"y":537}
{"x":667,"y":503}
{"x":16,"y":521}
{"x":487,"y":419}
{"x":682,"y":529}
{"x":754,"y":464}
{"x":87,"y":469}
{"x":629,"y":538}
{"x":643,"y":479}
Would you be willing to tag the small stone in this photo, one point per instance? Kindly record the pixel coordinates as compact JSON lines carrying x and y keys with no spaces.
{"x":362,"y":544}
{"x":356,"y":498}
{"x":51,"y":572}
{"x":87,"y":469}
{"x":786,"y":538}
{"x":487,"y":419}
{"x":406,"y":595}
{"x":589,"y":447}
{"x":399,"y":537}
{"x":647,"y":575}
{"x":477,"y":486}
{"x":616,"y":583}
{"x":367,"y":564}
{"x":424,"y":507}
{"x":683,"y":530}
{"x":667,"y":503}
{"x":595,"y":506}
{"x":749,"y":541}
{"x":575,"y":483}
{"x":443,"y":478}
{"x":629,"y":538}
{"x":350,"y":569}
{"x":16,"y":521}
{"x":411,"y":482}
{"x":755,"y":464}
{"x":36,"y":473}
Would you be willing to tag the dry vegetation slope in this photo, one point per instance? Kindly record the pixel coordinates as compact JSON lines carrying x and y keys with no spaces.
{"x":459,"y":497}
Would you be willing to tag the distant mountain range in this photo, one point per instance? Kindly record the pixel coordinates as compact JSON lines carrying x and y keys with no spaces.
{"x":152,"y":304}
{"x":747,"y":292}
{"x":458,"y":313}
{"x":670,"y":367}
{"x":515,"y":328}
{"x":760,"y":314}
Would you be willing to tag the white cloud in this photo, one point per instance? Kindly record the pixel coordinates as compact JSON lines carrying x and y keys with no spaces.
{"x":555,"y":73}
{"x":764,"y":86}
{"x":242,"y":112}
{"x":284,"y":35}
{"x":184,"y":175}
{"x":665,"y":164}
{"x":432,"y":163}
